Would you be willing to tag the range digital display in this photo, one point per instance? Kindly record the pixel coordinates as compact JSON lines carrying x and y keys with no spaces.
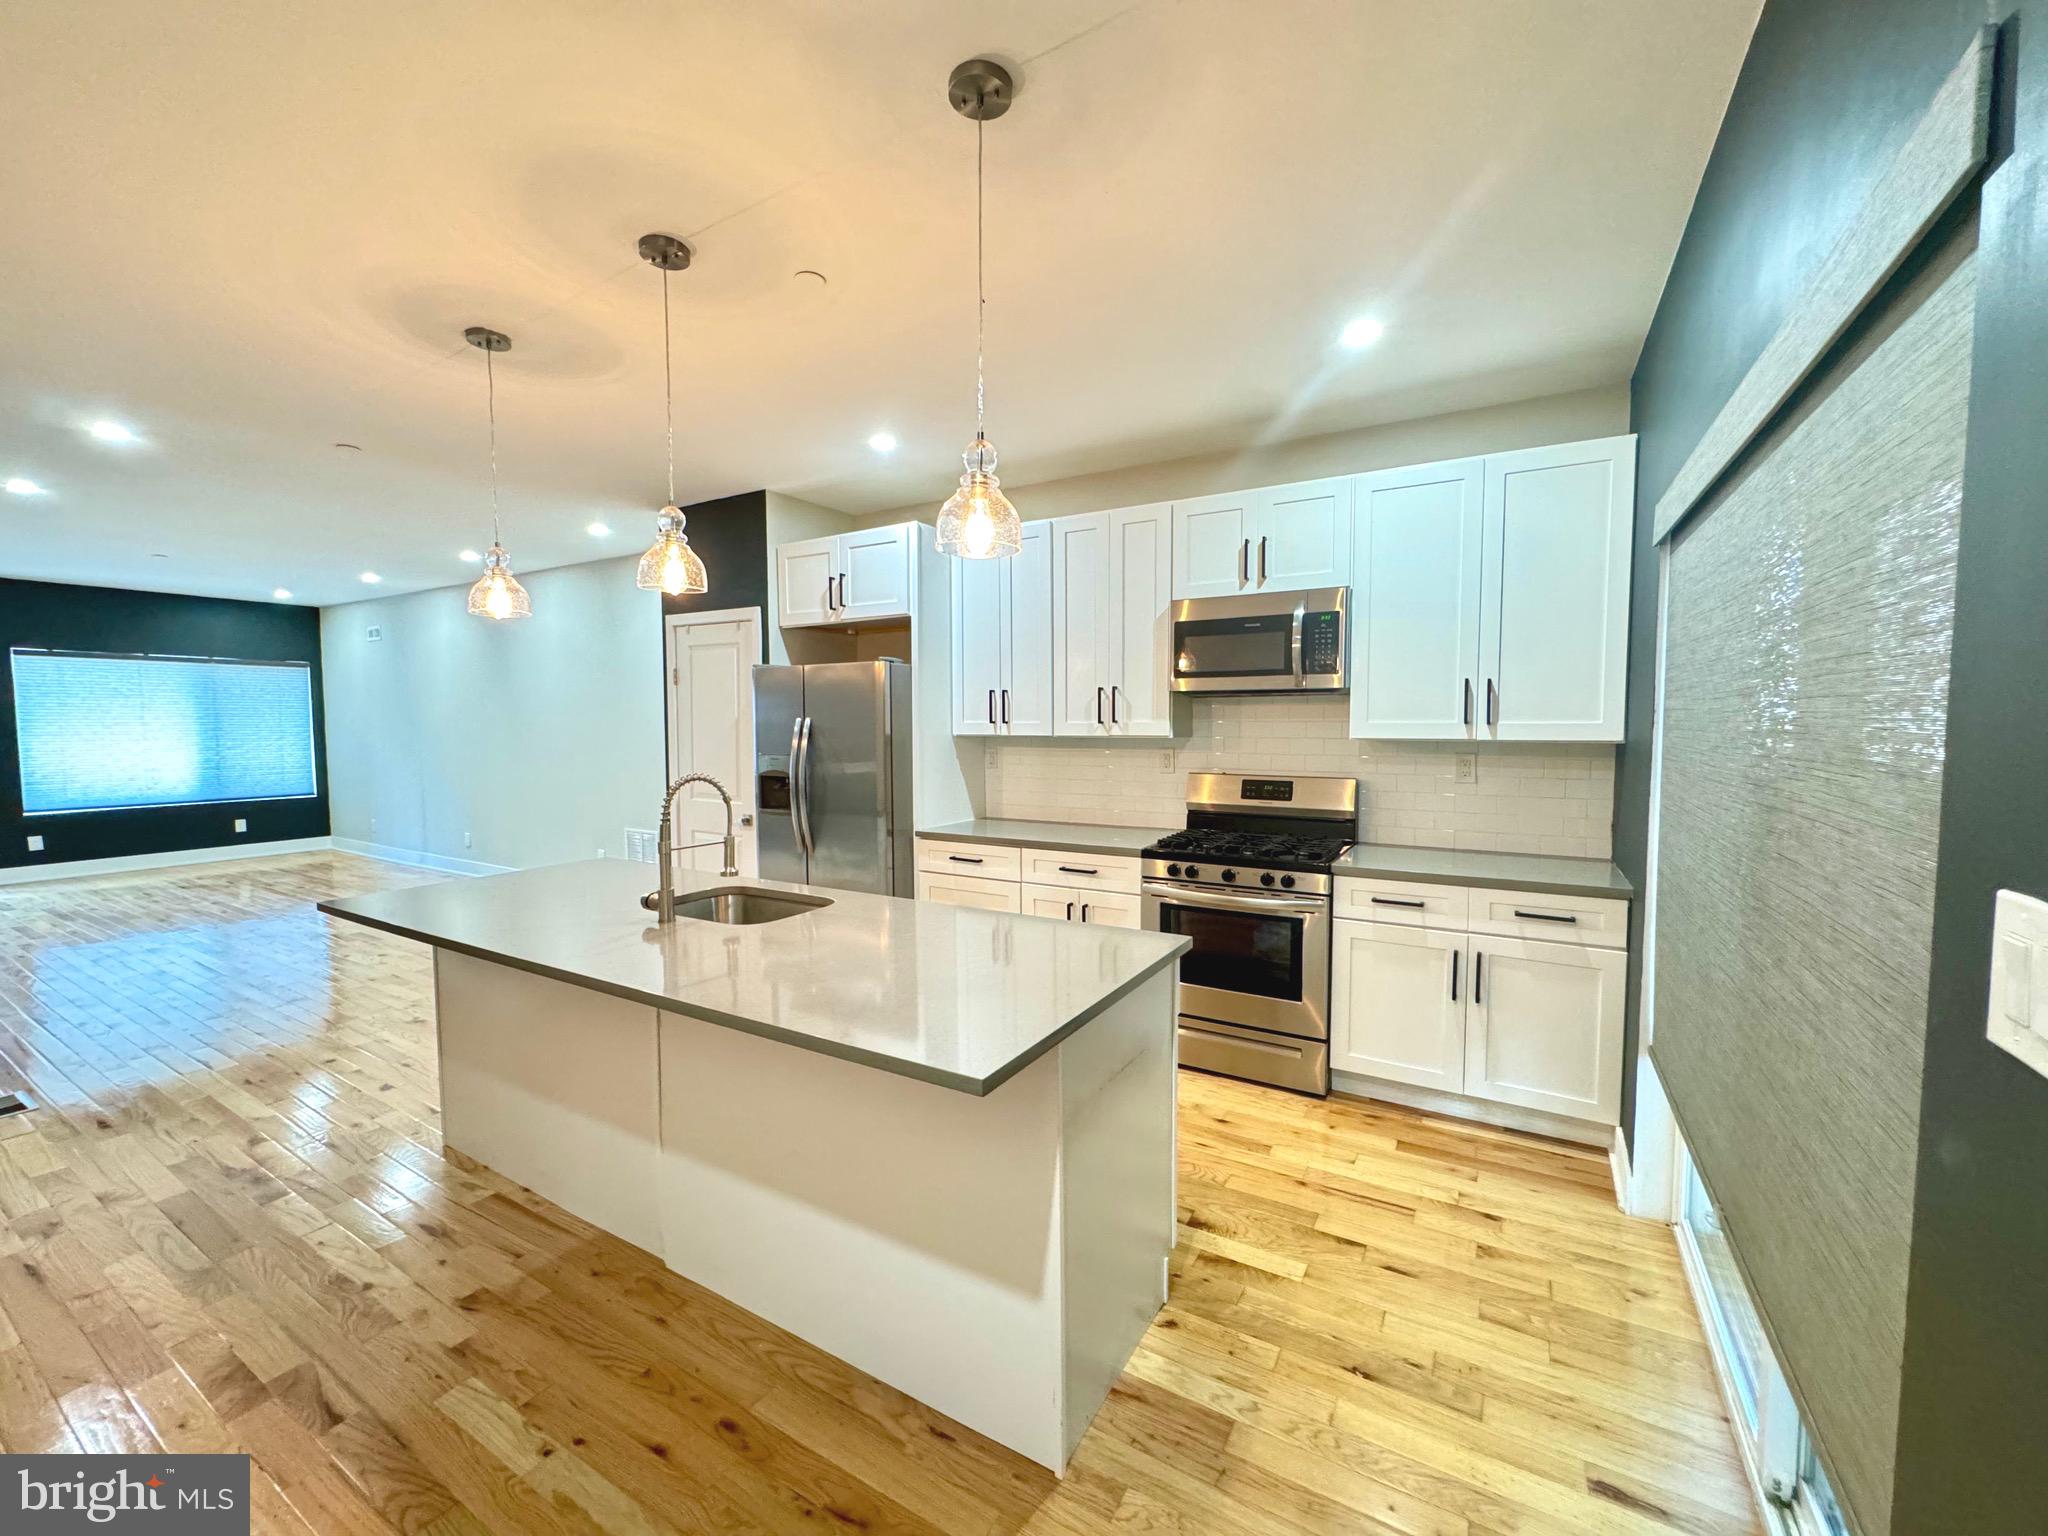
{"x":1267,"y":789}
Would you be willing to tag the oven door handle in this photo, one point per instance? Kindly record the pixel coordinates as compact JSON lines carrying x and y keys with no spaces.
{"x":1180,"y":895}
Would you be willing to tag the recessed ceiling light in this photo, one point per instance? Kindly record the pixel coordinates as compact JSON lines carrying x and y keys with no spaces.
{"x":469,"y":555}
{"x":883,"y":442}
{"x":598,"y":531}
{"x":282,"y":594}
{"x":112,"y":432}
{"x":16,"y":486}
{"x":1361,"y":332}
{"x":370,"y":578}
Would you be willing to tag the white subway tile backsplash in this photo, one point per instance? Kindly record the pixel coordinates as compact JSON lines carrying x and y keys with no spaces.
{"x":1528,"y":797}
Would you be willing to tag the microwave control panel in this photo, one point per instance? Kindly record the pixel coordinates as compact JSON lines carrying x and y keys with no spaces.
{"x":1322,"y":643}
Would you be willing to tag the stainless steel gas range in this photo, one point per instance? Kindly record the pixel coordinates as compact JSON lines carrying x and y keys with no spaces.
{"x":1248,"y":883}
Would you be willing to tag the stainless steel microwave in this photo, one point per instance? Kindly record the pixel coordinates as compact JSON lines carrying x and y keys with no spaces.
{"x":1263,"y":642}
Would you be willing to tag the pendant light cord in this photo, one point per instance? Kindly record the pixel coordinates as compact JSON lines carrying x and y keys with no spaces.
{"x":668,"y":388}
{"x":491,"y":405}
{"x":980,"y":292}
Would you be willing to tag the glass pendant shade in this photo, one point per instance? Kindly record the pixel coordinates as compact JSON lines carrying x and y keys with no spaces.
{"x":670,"y":565}
{"x":497,"y":593}
{"x":977,"y":522}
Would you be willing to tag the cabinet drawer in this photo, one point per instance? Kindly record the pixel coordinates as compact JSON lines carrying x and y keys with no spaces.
{"x":992,"y":861}
{"x":1404,"y":902}
{"x":1593,"y":920}
{"x":1082,"y":871}
{"x":968,"y":891}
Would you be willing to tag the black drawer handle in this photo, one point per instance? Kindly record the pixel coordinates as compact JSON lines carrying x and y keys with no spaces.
{"x":961,"y":858}
{"x":1395,"y":901}
{"x":1547,"y":917}
{"x":1478,"y":978}
{"x":1071,"y":869}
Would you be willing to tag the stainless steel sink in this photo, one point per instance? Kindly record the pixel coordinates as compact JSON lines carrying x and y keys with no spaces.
{"x":738,"y":905}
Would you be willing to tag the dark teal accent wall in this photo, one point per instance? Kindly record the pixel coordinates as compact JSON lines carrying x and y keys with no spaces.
{"x":1829,"y":90}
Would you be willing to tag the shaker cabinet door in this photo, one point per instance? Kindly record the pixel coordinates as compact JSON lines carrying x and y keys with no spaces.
{"x":1397,"y":1004}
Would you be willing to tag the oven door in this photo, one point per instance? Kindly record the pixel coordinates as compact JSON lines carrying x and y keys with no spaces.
{"x":1259,"y":961}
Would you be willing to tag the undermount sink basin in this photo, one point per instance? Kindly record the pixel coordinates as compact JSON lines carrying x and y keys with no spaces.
{"x":740,"y":906}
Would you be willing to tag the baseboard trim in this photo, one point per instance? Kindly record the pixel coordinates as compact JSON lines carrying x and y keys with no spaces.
{"x":416,"y":859}
{"x":78,"y":869}
{"x":1511,"y":1117}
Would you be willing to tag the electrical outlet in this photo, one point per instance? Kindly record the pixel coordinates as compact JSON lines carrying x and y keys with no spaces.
{"x":241,"y":825}
{"x":35,"y":842}
{"x":1466,"y":770}
{"x":373,"y":632}
{"x":1166,"y":760}
{"x":466,"y":840}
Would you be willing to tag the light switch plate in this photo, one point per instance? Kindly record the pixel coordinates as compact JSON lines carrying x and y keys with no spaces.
{"x":241,"y":825}
{"x":2017,"y":1018}
{"x":35,"y":842}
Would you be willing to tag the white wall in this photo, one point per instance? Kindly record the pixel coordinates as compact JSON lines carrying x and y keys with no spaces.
{"x":1494,"y":429}
{"x":541,"y":740}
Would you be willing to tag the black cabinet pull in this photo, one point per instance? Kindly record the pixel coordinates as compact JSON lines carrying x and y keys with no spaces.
{"x":991,"y":706}
{"x":1478,"y":976}
{"x":1070,"y":911}
{"x":1098,"y":706}
{"x":1492,"y":701}
{"x":1112,"y":705}
{"x":1006,"y":706}
{"x":1262,"y":559}
{"x":961,"y":858}
{"x":1455,"y":957}
{"x":1084,"y":911}
{"x":1075,"y":869}
{"x":1468,"y":701}
{"x":1547,"y":917}
{"x":1396,"y":901}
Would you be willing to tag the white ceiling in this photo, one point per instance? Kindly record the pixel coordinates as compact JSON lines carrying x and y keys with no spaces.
{"x":253,"y":229}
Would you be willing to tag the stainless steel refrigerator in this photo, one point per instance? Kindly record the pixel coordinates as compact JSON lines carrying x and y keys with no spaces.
{"x":832,"y":755}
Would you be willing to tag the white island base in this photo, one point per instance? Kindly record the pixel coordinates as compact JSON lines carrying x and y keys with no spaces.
{"x":997,"y":1257}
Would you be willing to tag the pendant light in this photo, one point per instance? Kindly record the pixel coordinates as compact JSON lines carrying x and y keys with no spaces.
{"x":669,"y":565}
{"x":977,"y":522}
{"x":497,"y":593}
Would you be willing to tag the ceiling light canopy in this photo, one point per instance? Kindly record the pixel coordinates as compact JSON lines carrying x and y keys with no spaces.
{"x":599,"y":530}
{"x":882,"y":442}
{"x":469,"y":557}
{"x":497,"y":593}
{"x":977,"y":522}
{"x":17,"y":486}
{"x":112,"y":432}
{"x":282,"y":594}
{"x":669,"y":565}
{"x":1361,"y":332}
{"x":369,"y":578}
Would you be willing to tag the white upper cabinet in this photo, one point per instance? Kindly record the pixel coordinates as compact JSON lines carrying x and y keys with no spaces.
{"x":1284,"y":538}
{"x":1553,"y":609}
{"x":1212,"y":541}
{"x":1506,"y":576}
{"x":1141,"y":624}
{"x":850,"y":578}
{"x":1002,"y":641}
{"x":1302,"y":536}
{"x":1080,"y":625}
{"x":807,"y":582}
{"x":1111,"y":574}
{"x":1027,"y":624}
{"x":1415,"y":602}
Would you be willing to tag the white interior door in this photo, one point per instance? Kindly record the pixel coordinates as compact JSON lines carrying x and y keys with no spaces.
{"x":1553,"y":640}
{"x":1397,"y":998}
{"x":1415,"y":602}
{"x":711,"y":659}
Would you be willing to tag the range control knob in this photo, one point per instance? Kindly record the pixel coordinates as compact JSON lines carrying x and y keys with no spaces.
{"x":1192,"y":873}
{"x":1287,"y":881}
{"x":1173,"y":869}
{"x":1265,"y":879}
{"x":1229,"y":875}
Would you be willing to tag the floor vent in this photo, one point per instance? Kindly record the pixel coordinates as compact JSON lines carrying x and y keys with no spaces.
{"x":15,"y":1103}
{"x":640,"y":845}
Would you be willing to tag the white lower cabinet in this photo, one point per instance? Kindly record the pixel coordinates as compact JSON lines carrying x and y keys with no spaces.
{"x":1393,"y":989}
{"x":1532,"y":1023}
{"x":1544,"y":1028}
{"x":969,"y":891}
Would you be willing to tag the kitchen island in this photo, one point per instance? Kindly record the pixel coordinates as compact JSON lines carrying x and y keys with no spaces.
{"x":935,"y":1142}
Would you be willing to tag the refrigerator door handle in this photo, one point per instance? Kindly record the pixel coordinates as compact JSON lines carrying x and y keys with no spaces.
{"x":800,"y":782}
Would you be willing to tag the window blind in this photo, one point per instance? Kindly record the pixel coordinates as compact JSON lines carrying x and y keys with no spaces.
{"x":102,"y":732}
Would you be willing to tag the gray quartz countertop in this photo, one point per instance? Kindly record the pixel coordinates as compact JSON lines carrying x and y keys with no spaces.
{"x":1545,"y":873}
{"x":1066,"y":836}
{"x":962,"y":998}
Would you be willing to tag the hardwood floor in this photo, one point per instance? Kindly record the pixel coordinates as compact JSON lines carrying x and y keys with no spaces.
{"x":230,"y":1225}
